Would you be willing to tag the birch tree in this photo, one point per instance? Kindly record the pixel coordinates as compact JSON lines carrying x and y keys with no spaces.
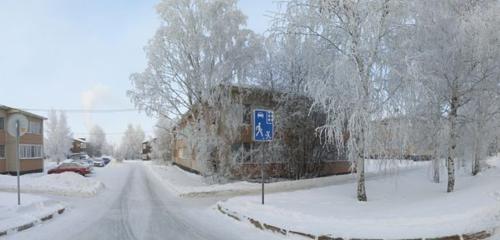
{"x":97,"y":141}
{"x":201,"y":47}
{"x":59,"y":136}
{"x":351,"y":37}
{"x":449,"y":60}
{"x":131,"y":143}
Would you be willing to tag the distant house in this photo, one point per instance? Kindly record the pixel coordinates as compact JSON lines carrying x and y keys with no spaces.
{"x":31,"y":143}
{"x":79,"y":146}
{"x":147,"y":149}
{"x":401,"y":138}
{"x":295,"y":152}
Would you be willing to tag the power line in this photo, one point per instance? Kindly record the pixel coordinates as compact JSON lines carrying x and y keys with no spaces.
{"x":83,"y":110}
{"x":112,"y":133}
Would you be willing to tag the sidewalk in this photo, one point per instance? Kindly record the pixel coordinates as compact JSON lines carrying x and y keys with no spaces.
{"x":406,"y":207}
{"x":186,"y":184}
{"x":34,"y":210}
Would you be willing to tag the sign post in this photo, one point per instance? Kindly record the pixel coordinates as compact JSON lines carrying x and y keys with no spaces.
{"x":17,"y":126}
{"x":263,"y":131}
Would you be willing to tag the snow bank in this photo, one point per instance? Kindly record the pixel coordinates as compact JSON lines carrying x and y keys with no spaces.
{"x":32,"y":209}
{"x":68,"y":184}
{"x":406,"y":206}
{"x":186,"y":184}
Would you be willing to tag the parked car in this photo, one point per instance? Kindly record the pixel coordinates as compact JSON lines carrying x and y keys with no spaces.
{"x":89,"y":163}
{"x":70,"y":167}
{"x":79,"y":156}
{"x":99,"y":162}
{"x":106,"y":160}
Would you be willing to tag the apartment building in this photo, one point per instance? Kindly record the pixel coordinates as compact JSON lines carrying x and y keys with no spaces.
{"x":31,"y":144}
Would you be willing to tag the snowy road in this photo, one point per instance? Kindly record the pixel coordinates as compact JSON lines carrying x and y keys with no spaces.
{"x":133,"y":206}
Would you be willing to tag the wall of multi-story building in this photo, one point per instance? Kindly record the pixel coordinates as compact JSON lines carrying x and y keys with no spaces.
{"x":2,"y":141}
{"x":30,"y":148}
{"x":218,"y":141}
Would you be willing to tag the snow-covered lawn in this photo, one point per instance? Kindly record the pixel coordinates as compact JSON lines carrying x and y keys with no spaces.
{"x":186,"y":184}
{"x":404,"y":206}
{"x":68,"y":184}
{"x":32,"y":209}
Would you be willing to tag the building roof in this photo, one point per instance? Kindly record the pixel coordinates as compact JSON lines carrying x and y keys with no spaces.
{"x":82,"y":140}
{"x":16,"y":110}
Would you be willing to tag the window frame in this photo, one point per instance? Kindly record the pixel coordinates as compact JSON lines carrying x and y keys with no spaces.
{"x":38,"y":128}
{"x":30,"y":151}
{"x":2,"y":151}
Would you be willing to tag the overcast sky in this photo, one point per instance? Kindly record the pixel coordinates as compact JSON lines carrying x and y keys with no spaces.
{"x":79,"y":54}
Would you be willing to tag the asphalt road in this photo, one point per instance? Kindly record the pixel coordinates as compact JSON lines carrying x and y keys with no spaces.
{"x":135,"y":206}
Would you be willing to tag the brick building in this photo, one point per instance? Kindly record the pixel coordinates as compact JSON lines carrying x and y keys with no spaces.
{"x":31,"y":143}
{"x":79,"y":145}
{"x":295,"y":152}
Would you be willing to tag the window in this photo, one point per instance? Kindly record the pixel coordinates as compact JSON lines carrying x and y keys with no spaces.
{"x":1,"y":123}
{"x":27,"y":151}
{"x":35,"y":127}
{"x":2,"y":151}
{"x":247,"y":114}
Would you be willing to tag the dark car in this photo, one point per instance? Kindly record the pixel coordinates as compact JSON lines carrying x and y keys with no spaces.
{"x":70,"y":167}
{"x":106,"y":160}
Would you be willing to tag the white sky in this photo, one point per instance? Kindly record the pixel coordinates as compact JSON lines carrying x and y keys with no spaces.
{"x":79,"y":54}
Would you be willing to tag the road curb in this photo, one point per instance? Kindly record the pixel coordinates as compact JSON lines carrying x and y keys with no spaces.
{"x":288,"y":232}
{"x":33,"y":223}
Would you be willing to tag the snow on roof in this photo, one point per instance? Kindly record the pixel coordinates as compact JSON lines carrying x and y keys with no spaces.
{"x":82,"y":140}
{"x":16,"y":110}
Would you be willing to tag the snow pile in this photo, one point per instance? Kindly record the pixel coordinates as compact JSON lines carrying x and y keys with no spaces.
{"x":68,"y":184}
{"x":32,"y":209}
{"x":186,"y":184}
{"x":406,"y":206}
{"x":392,"y":166}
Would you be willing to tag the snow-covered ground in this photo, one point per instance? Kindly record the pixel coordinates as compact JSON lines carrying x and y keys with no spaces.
{"x":404,"y":206}
{"x":186,"y":184}
{"x":136,"y":206}
{"x":32,"y":209}
{"x":70,"y":184}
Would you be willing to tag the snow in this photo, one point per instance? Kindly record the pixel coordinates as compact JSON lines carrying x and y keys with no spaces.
{"x":68,"y":184}
{"x":32,"y":208}
{"x":135,"y":206}
{"x":404,"y":206}
{"x":186,"y":184}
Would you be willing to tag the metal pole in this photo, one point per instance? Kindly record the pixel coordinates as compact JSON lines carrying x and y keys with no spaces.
{"x":18,"y":163}
{"x":262,"y":174}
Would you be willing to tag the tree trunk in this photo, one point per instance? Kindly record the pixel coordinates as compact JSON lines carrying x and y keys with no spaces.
{"x":477,"y":140}
{"x":360,"y":166}
{"x":360,"y":170}
{"x":435,"y":167}
{"x":477,"y":151}
{"x":452,"y":143}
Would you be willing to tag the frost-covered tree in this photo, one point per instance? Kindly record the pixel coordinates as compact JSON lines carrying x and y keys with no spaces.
{"x":482,"y":120}
{"x":200,"y":48}
{"x":200,"y":45}
{"x":131,"y":143}
{"x":347,"y":80}
{"x":59,"y":136}
{"x":97,"y":141}
{"x":163,"y":143}
{"x":455,"y":47}
{"x":51,"y":143}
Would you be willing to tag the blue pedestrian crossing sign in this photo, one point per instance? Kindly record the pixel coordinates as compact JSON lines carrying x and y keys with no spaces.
{"x":262,"y":126}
